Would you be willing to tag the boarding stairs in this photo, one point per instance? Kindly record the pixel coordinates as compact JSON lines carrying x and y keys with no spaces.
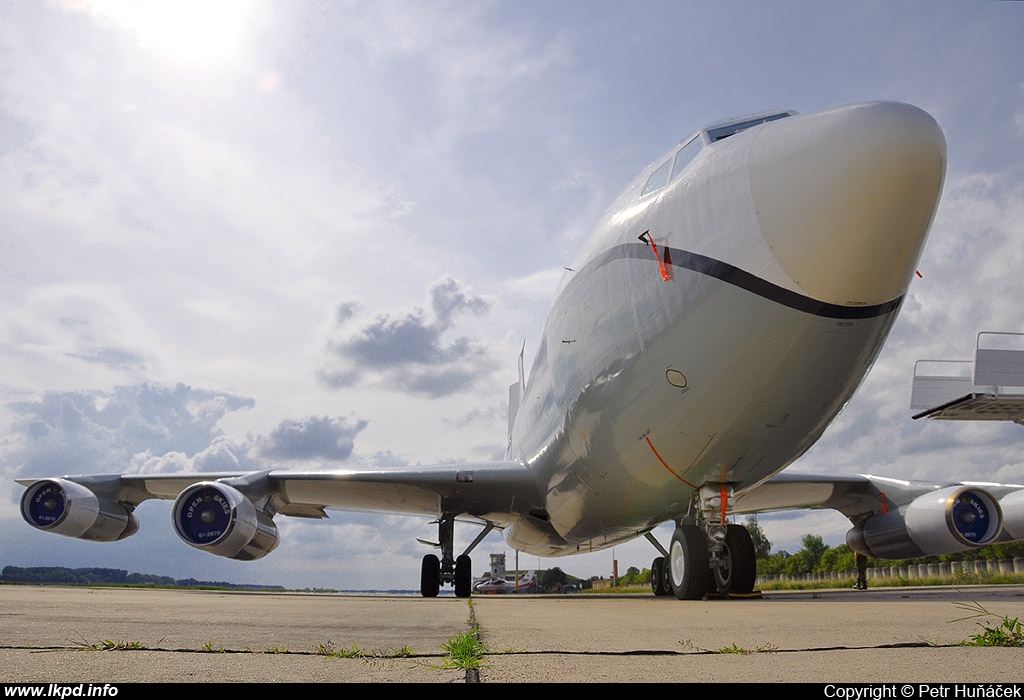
{"x":991,"y":387}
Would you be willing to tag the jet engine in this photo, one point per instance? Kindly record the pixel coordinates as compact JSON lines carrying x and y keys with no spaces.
{"x":71,"y":509}
{"x":219,"y":519}
{"x":944,"y":521}
{"x":1012,"y":505}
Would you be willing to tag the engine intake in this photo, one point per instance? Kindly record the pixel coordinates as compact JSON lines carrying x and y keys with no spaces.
{"x":947,"y":520}
{"x":219,"y":519}
{"x":73,"y":510}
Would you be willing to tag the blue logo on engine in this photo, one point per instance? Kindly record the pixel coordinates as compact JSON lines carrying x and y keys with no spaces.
{"x":970,"y":517}
{"x":206,"y":516}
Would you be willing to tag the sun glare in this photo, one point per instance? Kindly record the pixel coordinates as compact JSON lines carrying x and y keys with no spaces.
{"x":189,"y":31}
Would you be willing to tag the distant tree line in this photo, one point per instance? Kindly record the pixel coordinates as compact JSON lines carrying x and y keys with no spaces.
{"x":816,"y":557}
{"x":101,"y":576}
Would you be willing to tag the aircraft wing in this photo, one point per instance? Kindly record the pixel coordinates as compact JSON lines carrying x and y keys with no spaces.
{"x":896,"y":518}
{"x":852,"y":496}
{"x":100,"y":506}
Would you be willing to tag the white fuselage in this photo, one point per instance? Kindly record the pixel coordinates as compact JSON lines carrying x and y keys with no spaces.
{"x":719,"y":354}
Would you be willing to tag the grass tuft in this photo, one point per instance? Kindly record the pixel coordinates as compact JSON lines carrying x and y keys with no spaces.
{"x":732,"y":649}
{"x":465,"y":651}
{"x":110,"y":645}
{"x":1008,"y":633}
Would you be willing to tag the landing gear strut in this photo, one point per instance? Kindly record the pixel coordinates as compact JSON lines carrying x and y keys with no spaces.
{"x":448,"y":569}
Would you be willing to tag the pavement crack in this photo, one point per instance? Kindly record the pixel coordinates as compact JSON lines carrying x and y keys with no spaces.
{"x":473,"y":674}
{"x":701,"y":652}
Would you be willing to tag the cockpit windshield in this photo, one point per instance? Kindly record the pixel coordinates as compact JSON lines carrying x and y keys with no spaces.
{"x":671,"y":169}
{"x":721,"y":130}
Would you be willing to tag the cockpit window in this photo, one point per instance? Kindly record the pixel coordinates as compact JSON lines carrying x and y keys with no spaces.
{"x":685,"y":155}
{"x":672,"y":169}
{"x":725,"y":130}
{"x":658,"y":179}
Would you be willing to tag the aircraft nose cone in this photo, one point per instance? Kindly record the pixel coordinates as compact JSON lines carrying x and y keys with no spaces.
{"x":845,"y":197}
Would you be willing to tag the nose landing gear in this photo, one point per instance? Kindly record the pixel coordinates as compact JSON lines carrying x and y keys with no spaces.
{"x":706,"y":555}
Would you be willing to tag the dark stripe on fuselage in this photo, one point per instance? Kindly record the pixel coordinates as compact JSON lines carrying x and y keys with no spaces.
{"x":744,"y":280}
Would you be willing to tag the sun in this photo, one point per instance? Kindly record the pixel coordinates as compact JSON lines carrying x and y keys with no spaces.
{"x":188,"y":31}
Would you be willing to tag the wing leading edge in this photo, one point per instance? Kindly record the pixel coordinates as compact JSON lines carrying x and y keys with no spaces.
{"x":479,"y":489}
{"x":231,"y":514}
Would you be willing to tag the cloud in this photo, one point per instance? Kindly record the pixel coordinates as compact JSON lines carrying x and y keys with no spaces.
{"x":310,"y":438}
{"x":94,"y":431}
{"x":148,"y":429}
{"x":412,"y":352}
{"x":113,"y":358}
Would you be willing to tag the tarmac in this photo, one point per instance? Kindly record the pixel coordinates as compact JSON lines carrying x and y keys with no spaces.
{"x":53,"y":634}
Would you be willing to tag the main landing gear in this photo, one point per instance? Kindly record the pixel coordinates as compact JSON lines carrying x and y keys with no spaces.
{"x":448,"y":569}
{"x":705,"y":554}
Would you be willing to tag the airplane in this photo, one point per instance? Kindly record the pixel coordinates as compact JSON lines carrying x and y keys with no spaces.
{"x":718,"y":319}
{"x":495,"y":585}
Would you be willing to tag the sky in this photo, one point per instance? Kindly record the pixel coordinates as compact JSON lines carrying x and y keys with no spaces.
{"x":316,"y":235}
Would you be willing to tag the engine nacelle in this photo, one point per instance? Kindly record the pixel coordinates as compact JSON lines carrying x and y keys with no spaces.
{"x":73,"y":510}
{"x":947,"y":520}
{"x":1012,"y":505}
{"x":219,"y":519}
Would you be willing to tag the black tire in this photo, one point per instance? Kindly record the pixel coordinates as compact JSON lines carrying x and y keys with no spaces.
{"x":463,"y":576}
{"x":741,"y":562}
{"x":658,"y":578}
{"x":666,"y":579}
{"x":430,"y":576}
{"x":688,"y":563}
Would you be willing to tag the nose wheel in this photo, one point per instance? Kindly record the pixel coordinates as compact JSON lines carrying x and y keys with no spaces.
{"x":736,"y":567}
{"x":660,"y":583}
{"x":688,"y":563}
{"x":706,"y":555}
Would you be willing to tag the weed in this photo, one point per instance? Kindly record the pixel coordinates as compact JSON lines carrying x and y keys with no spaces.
{"x":354,"y":652}
{"x":110,"y":645}
{"x":1007,"y":634}
{"x":732,"y":649}
{"x":465,"y":651}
